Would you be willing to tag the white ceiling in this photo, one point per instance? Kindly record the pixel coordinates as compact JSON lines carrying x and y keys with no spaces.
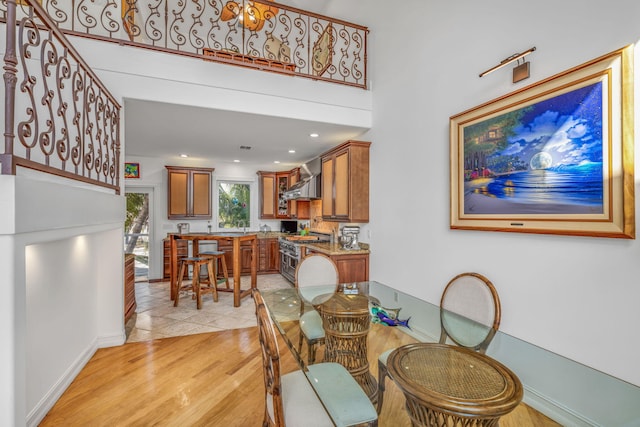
{"x":155,"y":129}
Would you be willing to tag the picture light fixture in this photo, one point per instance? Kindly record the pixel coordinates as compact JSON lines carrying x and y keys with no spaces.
{"x":520,"y":72}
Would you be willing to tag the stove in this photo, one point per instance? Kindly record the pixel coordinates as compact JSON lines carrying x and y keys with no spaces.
{"x":290,"y":252}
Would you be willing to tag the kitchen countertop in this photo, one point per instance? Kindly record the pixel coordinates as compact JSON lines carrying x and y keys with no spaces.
{"x":259,"y":234}
{"x":322,"y":247}
{"x":336,"y":248}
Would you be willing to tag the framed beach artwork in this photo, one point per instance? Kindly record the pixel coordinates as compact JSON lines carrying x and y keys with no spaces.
{"x":554,"y":157}
{"x":132,"y":170}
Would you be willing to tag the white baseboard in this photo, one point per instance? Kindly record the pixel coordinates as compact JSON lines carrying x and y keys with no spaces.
{"x":46,"y":403}
{"x":36,"y":415}
{"x":556,"y":411}
{"x":113,"y":340}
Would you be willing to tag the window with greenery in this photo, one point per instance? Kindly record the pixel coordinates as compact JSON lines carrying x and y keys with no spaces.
{"x":234,"y":205}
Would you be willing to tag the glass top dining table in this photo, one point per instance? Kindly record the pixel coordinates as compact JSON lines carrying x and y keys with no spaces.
{"x":610,"y":400}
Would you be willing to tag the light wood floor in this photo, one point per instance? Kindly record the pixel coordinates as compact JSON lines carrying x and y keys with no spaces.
{"x":209,"y":379}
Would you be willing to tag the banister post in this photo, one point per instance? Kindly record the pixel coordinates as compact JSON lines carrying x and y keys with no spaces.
{"x":10,"y":79}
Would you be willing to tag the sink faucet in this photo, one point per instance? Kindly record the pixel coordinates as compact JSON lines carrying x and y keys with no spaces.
{"x":244,"y":225}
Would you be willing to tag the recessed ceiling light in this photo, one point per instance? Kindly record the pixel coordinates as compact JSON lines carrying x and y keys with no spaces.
{"x":183,"y":155}
{"x":236,"y":161}
{"x":292,"y":151}
{"x":314,"y":135}
{"x":276,"y":161}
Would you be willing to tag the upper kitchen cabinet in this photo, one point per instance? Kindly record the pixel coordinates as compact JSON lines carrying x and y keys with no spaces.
{"x":189,"y":192}
{"x":267,"y":195}
{"x":298,"y":209}
{"x":282,"y":181}
{"x":273,"y":205}
{"x":345,"y":183}
{"x":272,"y":188}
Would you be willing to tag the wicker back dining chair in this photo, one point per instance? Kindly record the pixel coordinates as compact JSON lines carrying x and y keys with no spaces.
{"x":313,"y":270}
{"x":291,"y":401}
{"x":469,"y":317}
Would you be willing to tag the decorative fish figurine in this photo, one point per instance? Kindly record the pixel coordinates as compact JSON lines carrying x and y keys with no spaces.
{"x":388,"y":316}
{"x":393,"y":322}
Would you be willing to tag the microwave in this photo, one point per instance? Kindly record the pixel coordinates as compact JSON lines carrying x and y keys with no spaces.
{"x":288,"y":226}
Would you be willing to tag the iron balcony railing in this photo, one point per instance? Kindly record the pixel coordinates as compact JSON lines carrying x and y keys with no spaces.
{"x":59,"y":117}
{"x":263,"y":35}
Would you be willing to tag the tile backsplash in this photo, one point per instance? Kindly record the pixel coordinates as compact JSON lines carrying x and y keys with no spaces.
{"x":316,"y":222}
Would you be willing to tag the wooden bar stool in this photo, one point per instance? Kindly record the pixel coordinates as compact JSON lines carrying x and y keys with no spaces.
{"x":197,"y":288}
{"x":218,"y":261}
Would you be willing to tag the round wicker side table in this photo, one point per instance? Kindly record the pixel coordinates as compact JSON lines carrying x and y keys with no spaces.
{"x":448,"y":385}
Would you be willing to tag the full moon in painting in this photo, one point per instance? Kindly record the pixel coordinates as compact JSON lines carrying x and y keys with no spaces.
{"x":541,"y":160}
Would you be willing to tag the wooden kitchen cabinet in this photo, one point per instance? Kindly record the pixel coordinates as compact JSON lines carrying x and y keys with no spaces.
{"x":129,"y":286}
{"x":267,"y":195}
{"x":298,"y":209}
{"x":183,"y":251}
{"x":245,"y":255}
{"x":189,"y":193}
{"x":282,"y":182}
{"x":269,"y":261}
{"x":268,"y":256}
{"x":345,"y":183}
{"x":294,"y":177}
{"x":272,"y":203}
{"x":352,"y":268}
{"x":303,"y":210}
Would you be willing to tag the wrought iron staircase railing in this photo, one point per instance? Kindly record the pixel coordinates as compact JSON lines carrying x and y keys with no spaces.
{"x":59,"y":117}
{"x":263,"y":35}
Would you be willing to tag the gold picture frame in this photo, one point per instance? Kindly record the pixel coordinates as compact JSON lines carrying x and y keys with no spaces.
{"x":555,"y":157}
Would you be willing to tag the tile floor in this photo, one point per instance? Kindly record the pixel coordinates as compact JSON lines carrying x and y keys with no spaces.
{"x":156,"y":317}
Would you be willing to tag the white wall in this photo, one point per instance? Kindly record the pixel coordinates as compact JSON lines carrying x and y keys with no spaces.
{"x":142,"y":74}
{"x":9,"y":373}
{"x":576,"y":296}
{"x":66,"y":298}
{"x":62,"y":269}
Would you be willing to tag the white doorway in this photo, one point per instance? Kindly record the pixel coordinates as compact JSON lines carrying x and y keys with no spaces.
{"x":138,"y":238}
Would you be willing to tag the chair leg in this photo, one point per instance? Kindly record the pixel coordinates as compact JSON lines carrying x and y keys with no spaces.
{"x":382,"y":375}
{"x":225,"y":273}
{"x":196,"y":286}
{"x":178,"y":283}
{"x":301,"y":337}
{"x":212,"y":280}
{"x":312,"y":352}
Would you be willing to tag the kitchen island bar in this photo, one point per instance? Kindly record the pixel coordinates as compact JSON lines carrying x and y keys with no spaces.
{"x":237,"y":239}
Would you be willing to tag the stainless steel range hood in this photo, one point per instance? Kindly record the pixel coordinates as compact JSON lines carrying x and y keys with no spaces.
{"x":309,"y":186}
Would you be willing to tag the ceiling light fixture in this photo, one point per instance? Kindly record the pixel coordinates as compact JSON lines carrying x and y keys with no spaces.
{"x":292,"y":151}
{"x":520,"y":72}
{"x":236,"y":161}
{"x":314,"y":135}
{"x":276,"y":161}
{"x":184,"y":155}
